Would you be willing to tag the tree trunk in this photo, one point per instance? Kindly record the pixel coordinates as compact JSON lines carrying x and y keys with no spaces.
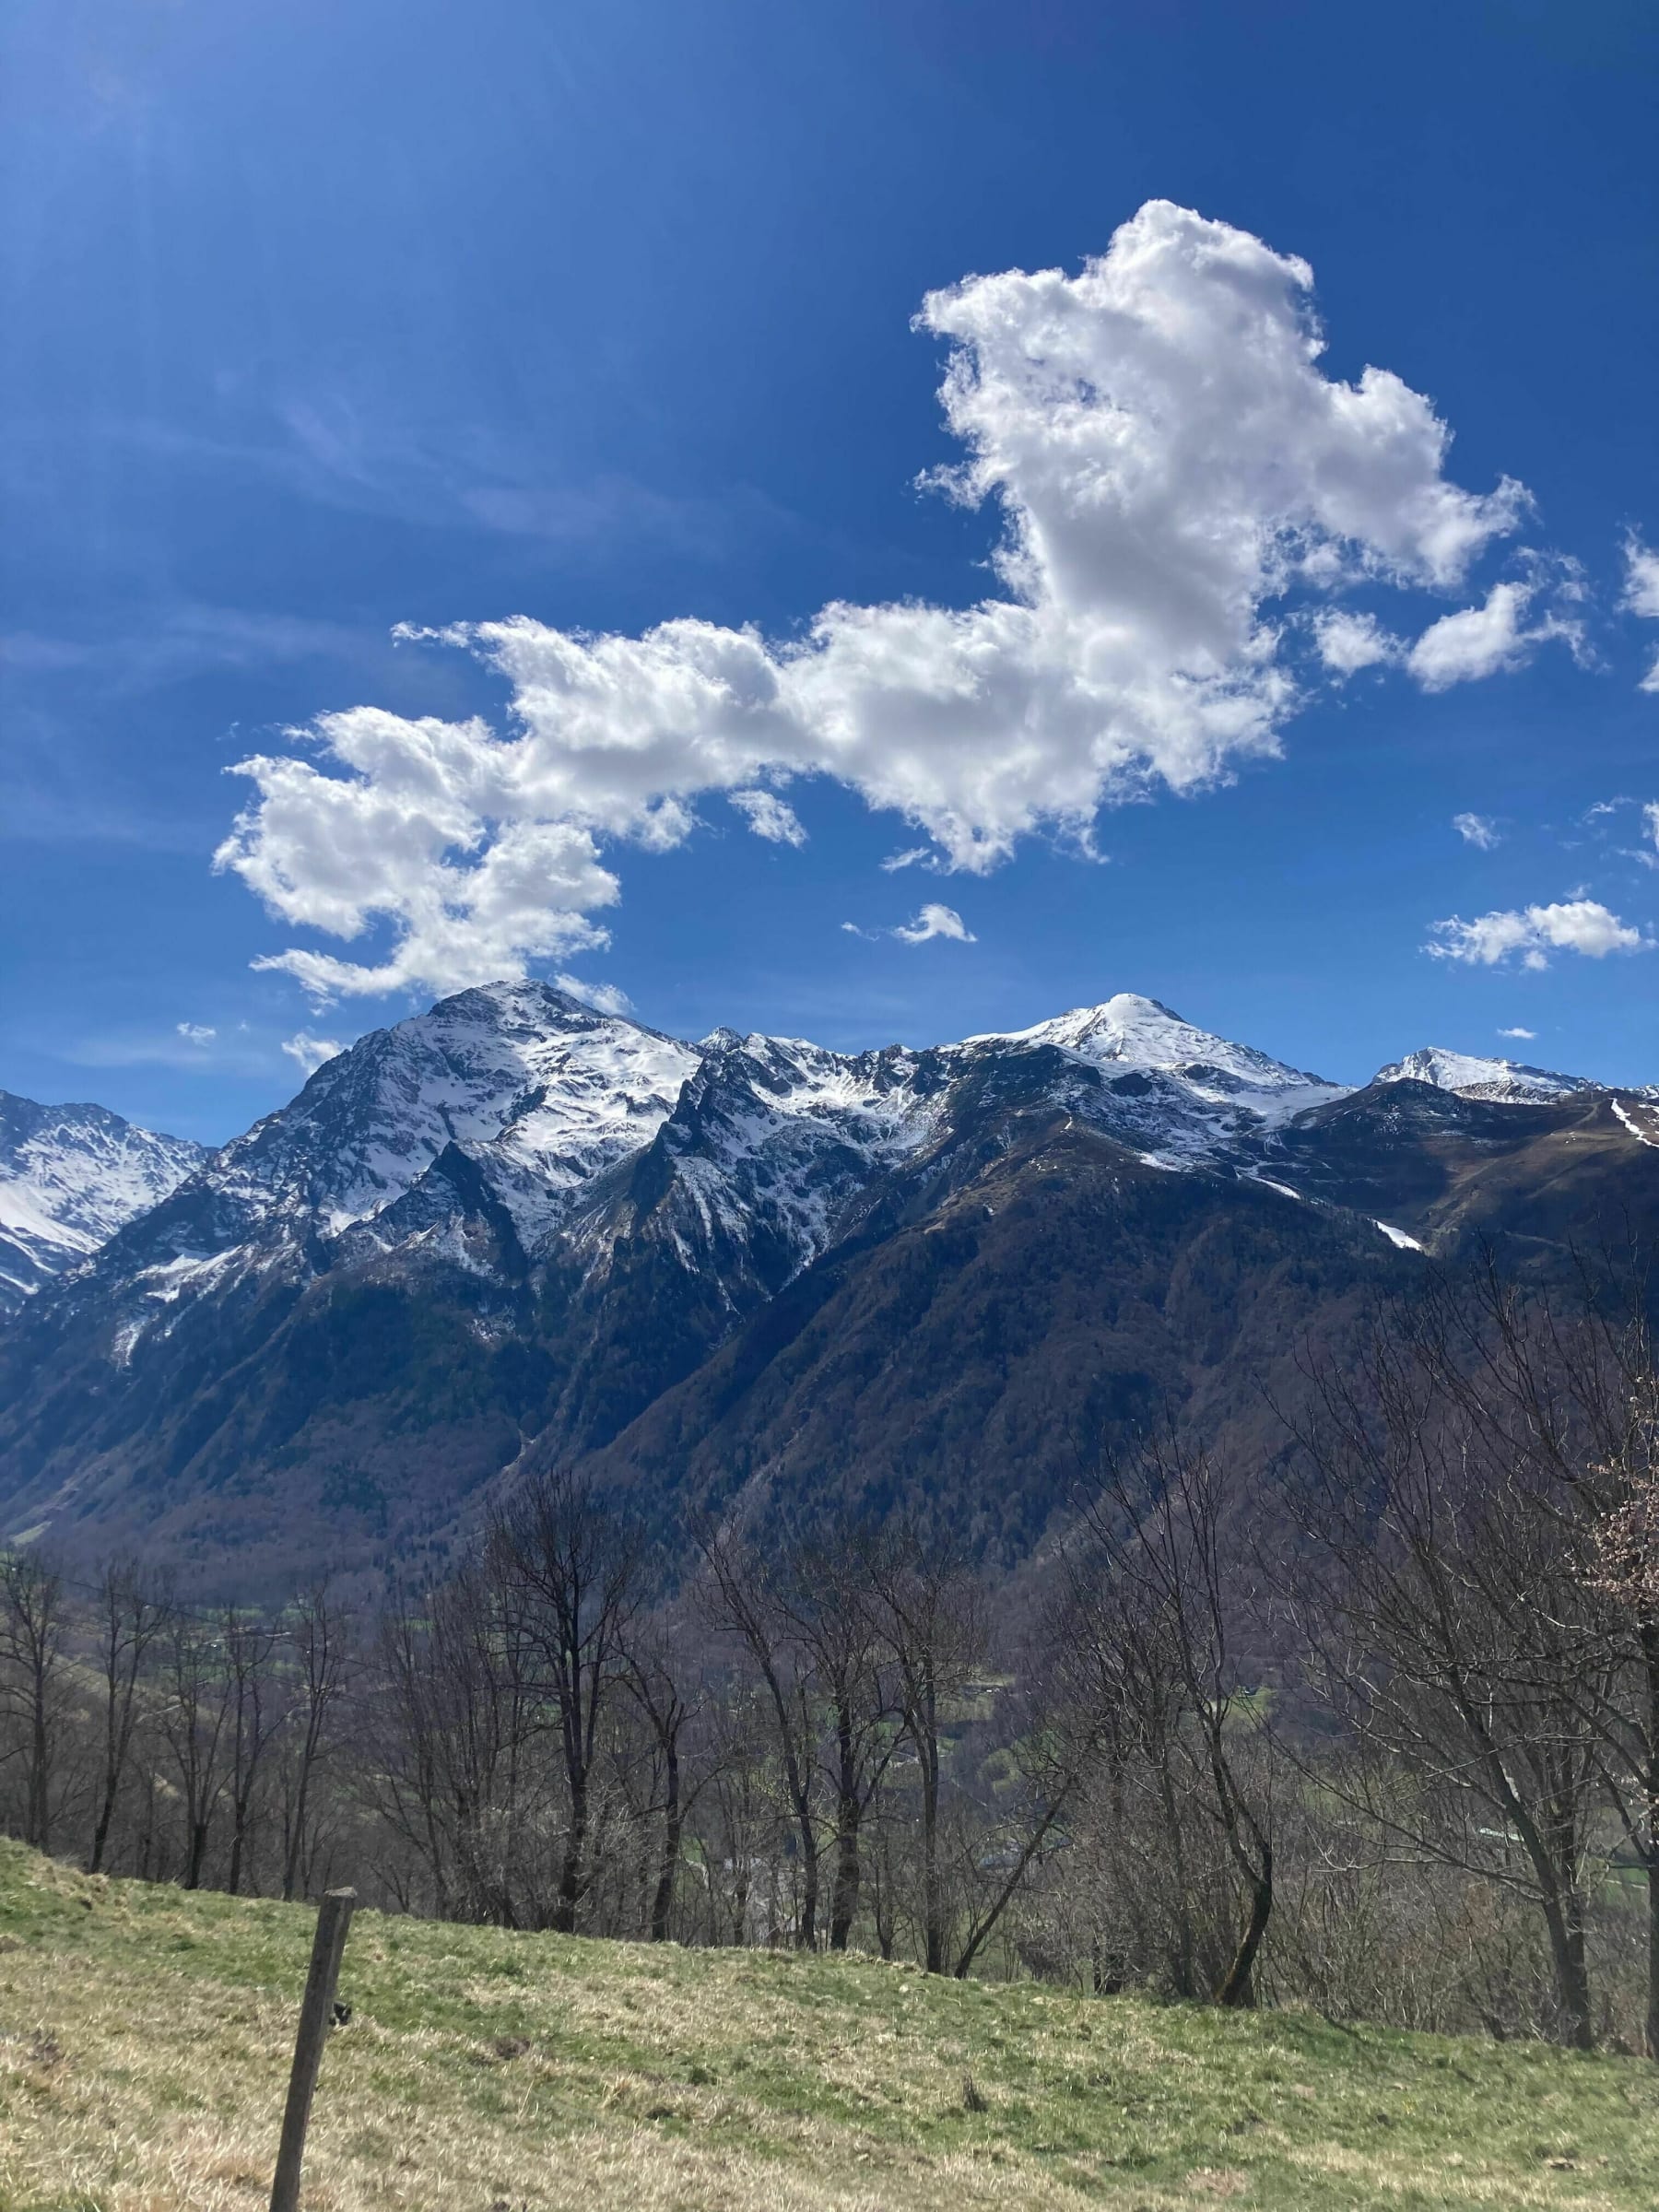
{"x":290,"y":1866}
{"x":1238,"y":1985}
{"x":101,"y":1835}
{"x":241,"y":1822}
{"x":932,"y":1901}
{"x":40,"y":1778}
{"x":570,"y":1873}
{"x":661,"y":1903}
{"x":807,"y":1927}
{"x":843,"y":1902}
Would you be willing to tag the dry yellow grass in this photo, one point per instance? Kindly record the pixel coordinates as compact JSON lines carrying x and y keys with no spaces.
{"x":145,"y":2035}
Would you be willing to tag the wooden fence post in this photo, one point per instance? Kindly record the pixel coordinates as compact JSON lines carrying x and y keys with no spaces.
{"x":316,"y":2010}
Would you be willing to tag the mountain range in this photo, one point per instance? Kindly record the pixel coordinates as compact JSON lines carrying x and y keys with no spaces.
{"x":70,"y":1176}
{"x":513,"y":1230}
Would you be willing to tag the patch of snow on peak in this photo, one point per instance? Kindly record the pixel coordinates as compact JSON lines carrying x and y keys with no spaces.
{"x":541,"y":1090}
{"x":1503,"y":1082}
{"x":70,"y":1176}
{"x":1200,"y":1093}
{"x":1131,"y":1031}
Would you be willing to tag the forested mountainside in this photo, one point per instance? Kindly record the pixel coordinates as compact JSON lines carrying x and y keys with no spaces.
{"x":513,"y":1231}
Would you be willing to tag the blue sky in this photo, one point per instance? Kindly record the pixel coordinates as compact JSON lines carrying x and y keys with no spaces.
{"x":323,"y":321}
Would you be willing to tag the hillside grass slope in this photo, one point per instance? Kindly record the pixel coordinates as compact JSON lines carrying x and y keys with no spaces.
{"x":145,"y":2037}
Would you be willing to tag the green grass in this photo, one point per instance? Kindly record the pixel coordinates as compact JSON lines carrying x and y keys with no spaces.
{"x":144,"y":2034}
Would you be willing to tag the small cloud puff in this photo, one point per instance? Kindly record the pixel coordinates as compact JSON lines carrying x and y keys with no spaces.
{"x":1641,"y":594}
{"x":1349,"y":643}
{"x":934,"y":921}
{"x":1528,"y":1035}
{"x":310,"y":1053}
{"x":1477,"y":830}
{"x":1492,"y":639}
{"x":605,"y":998}
{"x":195,"y":1032}
{"x":1530,"y":935}
{"x":768,"y":816}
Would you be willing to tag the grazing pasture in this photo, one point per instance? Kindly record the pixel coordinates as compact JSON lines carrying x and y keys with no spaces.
{"x":144,"y":2038}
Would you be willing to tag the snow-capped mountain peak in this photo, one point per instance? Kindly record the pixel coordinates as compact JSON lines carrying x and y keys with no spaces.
{"x":70,"y":1176}
{"x":548,"y":1090}
{"x":1182,"y":1095}
{"x":1140,"y":1032}
{"x":1505,"y":1082}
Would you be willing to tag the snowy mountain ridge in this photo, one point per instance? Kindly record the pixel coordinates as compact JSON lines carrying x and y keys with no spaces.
{"x":519,"y":1098}
{"x":70,"y":1176}
{"x":515,"y":1226}
{"x":1504,"y":1082}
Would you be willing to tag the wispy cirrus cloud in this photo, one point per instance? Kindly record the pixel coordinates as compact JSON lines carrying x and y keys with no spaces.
{"x":605,"y":998}
{"x":768,"y":817}
{"x":311,"y":1053}
{"x":932,"y":921}
{"x":1641,"y":594}
{"x":1477,"y":830}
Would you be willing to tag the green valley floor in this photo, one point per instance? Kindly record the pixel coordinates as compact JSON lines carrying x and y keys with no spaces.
{"x":144,"y":2038}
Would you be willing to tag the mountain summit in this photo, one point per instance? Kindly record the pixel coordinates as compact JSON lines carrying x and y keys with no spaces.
{"x":1511,"y":1081}
{"x":69,"y":1177}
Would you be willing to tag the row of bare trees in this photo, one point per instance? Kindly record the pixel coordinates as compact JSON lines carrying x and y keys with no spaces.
{"x":1413,"y":1686}
{"x":790,"y":1749}
{"x":176,"y":1742}
{"x":1378,"y":1731}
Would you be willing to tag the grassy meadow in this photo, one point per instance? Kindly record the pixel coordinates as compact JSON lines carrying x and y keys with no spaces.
{"x":145,"y":2037}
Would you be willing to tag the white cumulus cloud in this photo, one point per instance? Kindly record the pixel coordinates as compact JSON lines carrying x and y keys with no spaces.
{"x":1476,"y":830}
{"x":311,"y":1051}
{"x":195,"y":1032}
{"x":1490,"y":640}
{"x":770,"y":816}
{"x":1349,"y":642}
{"x":1531,"y":934}
{"x":1165,"y":459}
{"x":1527,"y":1034}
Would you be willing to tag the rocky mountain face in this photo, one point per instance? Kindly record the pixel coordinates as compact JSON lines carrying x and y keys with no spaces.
{"x":515,"y":1230}
{"x":70,"y":1176}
